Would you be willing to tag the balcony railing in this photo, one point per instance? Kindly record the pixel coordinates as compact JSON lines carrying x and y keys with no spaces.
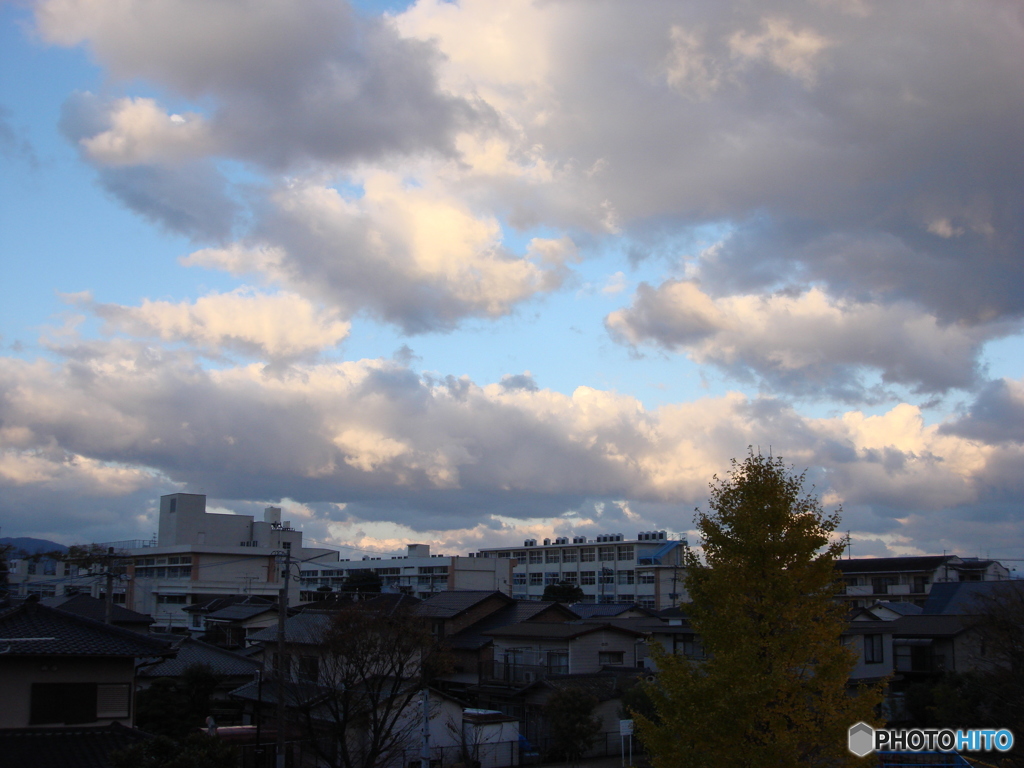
{"x":504,"y":673}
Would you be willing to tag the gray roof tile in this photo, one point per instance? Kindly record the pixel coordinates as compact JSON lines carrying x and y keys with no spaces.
{"x":31,"y":629}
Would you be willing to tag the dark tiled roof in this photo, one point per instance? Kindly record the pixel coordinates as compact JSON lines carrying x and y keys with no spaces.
{"x":447,"y":605}
{"x":216,"y":603}
{"x":473,"y":637}
{"x":239,"y":612}
{"x":191,"y":652}
{"x":928,"y":626}
{"x":586,"y":610}
{"x":966,"y":597}
{"x":65,"y":747}
{"x":91,"y":608}
{"x":543,"y":629}
{"x":38,"y":630}
{"x":893,"y":564}
{"x":645,"y":624}
{"x":306,"y":628}
{"x":903,"y":609}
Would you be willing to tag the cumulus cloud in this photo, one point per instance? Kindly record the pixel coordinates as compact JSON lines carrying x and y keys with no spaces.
{"x":278,"y":327}
{"x":433,"y":454}
{"x":142,"y":133}
{"x":995,"y":416}
{"x":857,"y":150}
{"x":411,"y":255}
{"x":287,"y":83}
{"x":806,"y":342}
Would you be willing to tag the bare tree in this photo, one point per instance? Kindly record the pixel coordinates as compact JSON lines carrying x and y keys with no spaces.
{"x":374,"y":661}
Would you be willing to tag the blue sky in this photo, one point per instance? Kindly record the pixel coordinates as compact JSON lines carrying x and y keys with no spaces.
{"x":485,"y":270}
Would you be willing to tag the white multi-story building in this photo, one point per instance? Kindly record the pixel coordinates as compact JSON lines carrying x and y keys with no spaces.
{"x":416,"y":573}
{"x":199,"y":556}
{"x":610,"y":569}
{"x":47,"y":577}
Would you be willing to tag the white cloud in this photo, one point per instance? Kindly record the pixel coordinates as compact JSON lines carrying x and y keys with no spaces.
{"x":433,"y":455}
{"x":274,"y":326}
{"x":412,"y":255}
{"x":794,"y":51}
{"x":140,"y":132}
{"x":807,"y":340}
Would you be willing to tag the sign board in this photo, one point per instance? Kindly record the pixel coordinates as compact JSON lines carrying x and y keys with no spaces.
{"x":625,"y":727}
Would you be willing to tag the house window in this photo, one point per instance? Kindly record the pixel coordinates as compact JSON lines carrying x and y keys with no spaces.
{"x":66,"y":703}
{"x":49,"y":567}
{"x":173,"y":505}
{"x":536,"y":579}
{"x":309,"y":668}
{"x":586,"y":554}
{"x":625,"y":577}
{"x":873,"y":649}
{"x":536,"y":557}
{"x":647,"y":602}
{"x":691,"y":647}
{"x":626,"y":552}
{"x":610,"y":658}
{"x":588,"y":577}
{"x":880,"y":584}
{"x":920,"y":584}
{"x":170,"y":599}
{"x":569,"y":555}
{"x":551,"y":556}
{"x":606,"y":554}
{"x":113,"y":700}
{"x":558,"y":662}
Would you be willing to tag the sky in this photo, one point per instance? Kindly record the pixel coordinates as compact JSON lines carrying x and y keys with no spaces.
{"x":464,"y":273}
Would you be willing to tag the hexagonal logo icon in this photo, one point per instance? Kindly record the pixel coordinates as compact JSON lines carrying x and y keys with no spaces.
{"x":861,"y":739}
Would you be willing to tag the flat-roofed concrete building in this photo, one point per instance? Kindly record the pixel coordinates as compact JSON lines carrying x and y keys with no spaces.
{"x":201,"y":555}
{"x":646,"y":570}
{"x":418,"y":573}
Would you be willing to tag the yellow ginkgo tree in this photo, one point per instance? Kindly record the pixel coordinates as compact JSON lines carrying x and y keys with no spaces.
{"x":772,"y":689}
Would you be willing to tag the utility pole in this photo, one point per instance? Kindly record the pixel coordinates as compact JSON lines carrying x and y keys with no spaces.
{"x":425,"y":747}
{"x":280,"y":666}
{"x":109,"y":608}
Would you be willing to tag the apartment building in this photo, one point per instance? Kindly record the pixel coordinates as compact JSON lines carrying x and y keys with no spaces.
{"x":610,"y":569}
{"x":910,"y":579}
{"x":418,"y":573}
{"x":199,"y":556}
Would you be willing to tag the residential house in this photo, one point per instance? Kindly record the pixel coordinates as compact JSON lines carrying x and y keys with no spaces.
{"x":57,"y":668}
{"x":909,"y":579}
{"x":231,"y":669}
{"x":472,"y":648}
{"x":92,"y":608}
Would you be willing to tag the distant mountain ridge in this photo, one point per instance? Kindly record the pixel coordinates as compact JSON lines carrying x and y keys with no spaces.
{"x":31,"y":546}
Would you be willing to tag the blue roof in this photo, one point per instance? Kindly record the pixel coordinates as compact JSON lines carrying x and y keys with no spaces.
{"x":966,"y":597}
